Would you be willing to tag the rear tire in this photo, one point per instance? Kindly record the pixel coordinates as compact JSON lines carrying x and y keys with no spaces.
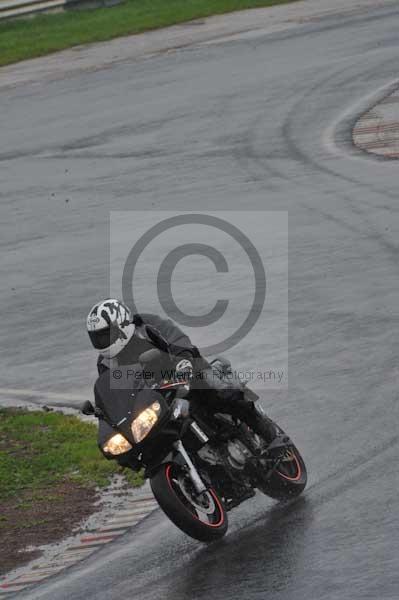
{"x":290,"y":477}
{"x":284,"y":484}
{"x":203,"y":519}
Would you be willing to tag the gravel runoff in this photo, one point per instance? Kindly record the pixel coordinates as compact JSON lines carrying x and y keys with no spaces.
{"x":117,"y":509}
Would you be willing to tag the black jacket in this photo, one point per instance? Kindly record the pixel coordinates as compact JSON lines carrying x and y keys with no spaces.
{"x":180,"y":344}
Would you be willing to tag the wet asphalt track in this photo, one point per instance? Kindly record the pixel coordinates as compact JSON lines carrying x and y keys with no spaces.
{"x":235,"y":125}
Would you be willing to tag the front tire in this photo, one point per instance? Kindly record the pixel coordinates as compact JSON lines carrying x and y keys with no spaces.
{"x":203,"y":519}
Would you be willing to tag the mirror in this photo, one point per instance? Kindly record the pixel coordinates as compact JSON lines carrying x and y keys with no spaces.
{"x":87,"y":408}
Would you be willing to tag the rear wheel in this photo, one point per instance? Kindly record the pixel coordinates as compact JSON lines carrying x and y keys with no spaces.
{"x":285,"y":477}
{"x":202,"y":517}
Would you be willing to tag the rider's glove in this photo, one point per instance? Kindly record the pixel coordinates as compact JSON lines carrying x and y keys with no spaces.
{"x":184,"y":370}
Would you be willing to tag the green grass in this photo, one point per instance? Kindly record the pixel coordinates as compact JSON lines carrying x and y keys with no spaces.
{"x":39,"y":450}
{"x":42,"y":34}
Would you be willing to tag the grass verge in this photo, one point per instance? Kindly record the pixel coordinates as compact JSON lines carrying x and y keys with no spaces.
{"x":49,"y":469}
{"x":26,"y":38}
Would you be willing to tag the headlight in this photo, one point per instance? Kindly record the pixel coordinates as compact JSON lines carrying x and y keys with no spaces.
{"x":146,"y":420}
{"x":117,"y":445}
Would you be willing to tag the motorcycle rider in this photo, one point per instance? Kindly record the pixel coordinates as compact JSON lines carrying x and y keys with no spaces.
{"x":121,"y":338}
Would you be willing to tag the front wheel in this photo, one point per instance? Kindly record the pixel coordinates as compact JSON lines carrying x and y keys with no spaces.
{"x":202,"y":517}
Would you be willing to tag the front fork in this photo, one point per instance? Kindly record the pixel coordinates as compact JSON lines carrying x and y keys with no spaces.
{"x":199,"y":485}
{"x":181,"y":409}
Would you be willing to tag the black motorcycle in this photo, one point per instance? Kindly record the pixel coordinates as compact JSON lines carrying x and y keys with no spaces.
{"x":200,"y":464}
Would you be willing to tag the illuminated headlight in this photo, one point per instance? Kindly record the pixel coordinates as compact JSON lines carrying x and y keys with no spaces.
{"x":146,"y":420}
{"x":117,"y":445}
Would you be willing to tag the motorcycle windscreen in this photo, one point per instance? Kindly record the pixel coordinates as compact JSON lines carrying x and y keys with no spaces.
{"x":116,"y":399}
{"x":123,"y":403}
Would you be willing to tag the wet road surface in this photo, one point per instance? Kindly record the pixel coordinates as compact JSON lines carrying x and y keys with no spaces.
{"x":241,"y":125}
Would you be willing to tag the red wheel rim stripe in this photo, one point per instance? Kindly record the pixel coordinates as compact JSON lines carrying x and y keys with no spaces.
{"x":221,"y":520}
{"x":299,"y":474}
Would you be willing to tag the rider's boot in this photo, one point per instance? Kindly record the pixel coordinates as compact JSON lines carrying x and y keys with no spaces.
{"x":258,"y":422}
{"x":246,"y":411}
{"x":230,"y":398}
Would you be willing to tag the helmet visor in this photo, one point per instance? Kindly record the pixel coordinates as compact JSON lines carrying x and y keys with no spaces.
{"x":104,"y":338}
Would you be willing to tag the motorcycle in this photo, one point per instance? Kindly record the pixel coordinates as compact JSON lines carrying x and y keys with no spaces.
{"x":200,"y":464}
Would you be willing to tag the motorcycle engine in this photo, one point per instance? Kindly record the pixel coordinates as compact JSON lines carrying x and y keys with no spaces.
{"x":226,"y":470}
{"x":210,"y":455}
{"x":237,"y":454}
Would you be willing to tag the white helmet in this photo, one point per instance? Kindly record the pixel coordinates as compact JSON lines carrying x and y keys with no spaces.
{"x":110,"y":326}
